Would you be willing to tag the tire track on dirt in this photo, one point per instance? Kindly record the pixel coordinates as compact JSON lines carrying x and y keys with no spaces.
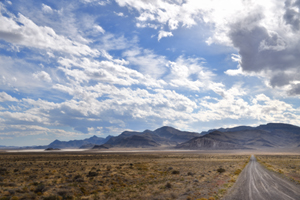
{"x":257,"y":183}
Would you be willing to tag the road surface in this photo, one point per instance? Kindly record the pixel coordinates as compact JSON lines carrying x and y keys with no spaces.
{"x":257,"y":183}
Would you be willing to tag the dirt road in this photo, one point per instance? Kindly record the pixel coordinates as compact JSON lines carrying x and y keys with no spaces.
{"x":257,"y":183}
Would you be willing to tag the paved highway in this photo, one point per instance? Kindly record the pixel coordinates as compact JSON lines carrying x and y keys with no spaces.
{"x":257,"y":183}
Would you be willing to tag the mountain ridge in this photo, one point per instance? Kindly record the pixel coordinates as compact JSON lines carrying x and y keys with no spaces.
{"x":165,"y":135}
{"x":271,"y":135}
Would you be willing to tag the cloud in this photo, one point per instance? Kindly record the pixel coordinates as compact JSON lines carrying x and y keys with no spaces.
{"x":159,"y":13}
{"x":46,"y":8}
{"x":266,"y":52}
{"x":292,"y":14}
{"x":265,"y":33}
{"x":25,"y":130}
{"x":6,"y":97}
{"x":101,"y":3}
{"x":148,"y":62}
{"x":163,"y":34}
{"x":22,"y":31}
{"x":189,"y":73}
{"x":42,"y":75}
{"x":120,"y":14}
{"x":99,"y":29}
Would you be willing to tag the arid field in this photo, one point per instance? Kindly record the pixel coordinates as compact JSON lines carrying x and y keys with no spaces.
{"x":287,"y":165}
{"x":118,"y":175}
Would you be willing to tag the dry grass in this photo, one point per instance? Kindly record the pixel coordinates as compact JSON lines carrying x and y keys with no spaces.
{"x":287,"y":165}
{"x":118,"y":176}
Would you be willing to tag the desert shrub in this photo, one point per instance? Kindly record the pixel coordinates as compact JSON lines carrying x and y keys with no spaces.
{"x":78,"y":178}
{"x":11,"y":192}
{"x":40,"y":188}
{"x":237,"y":172}
{"x":108,"y":168}
{"x":11,"y":184}
{"x":32,"y":176}
{"x":83,"y":190}
{"x":220,"y":170}
{"x":175,"y":172}
{"x":35,"y":183}
{"x":1,"y":178}
{"x":92,"y":174}
{"x":14,"y":198}
{"x":3,"y":170}
{"x":190,"y":174}
{"x":168,"y":185}
{"x":4,"y":198}
{"x":62,"y":193}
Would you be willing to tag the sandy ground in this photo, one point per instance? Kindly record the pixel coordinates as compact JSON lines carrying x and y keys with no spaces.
{"x":118,"y":175}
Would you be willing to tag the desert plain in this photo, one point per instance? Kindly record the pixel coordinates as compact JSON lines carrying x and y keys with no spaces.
{"x":131,"y":175}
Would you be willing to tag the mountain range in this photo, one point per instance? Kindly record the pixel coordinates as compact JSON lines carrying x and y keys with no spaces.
{"x":164,"y":136}
{"x":85,"y":144}
{"x":272,"y":135}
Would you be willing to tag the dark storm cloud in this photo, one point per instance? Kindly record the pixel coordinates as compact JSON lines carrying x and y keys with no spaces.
{"x":291,"y":15}
{"x":266,"y":51}
{"x":295,"y":89}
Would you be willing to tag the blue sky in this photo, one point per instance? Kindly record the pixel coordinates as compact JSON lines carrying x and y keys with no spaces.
{"x":73,"y":69}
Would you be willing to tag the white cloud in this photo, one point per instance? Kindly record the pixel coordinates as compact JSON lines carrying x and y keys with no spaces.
{"x":99,"y":2}
{"x":17,"y":75}
{"x":6,"y":97}
{"x":163,"y":34}
{"x":190,"y":74}
{"x":46,"y":8}
{"x":173,"y":24}
{"x":148,"y":62}
{"x":105,"y":71}
{"x":120,"y":14}
{"x":42,"y":75}
{"x":25,"y":130}
{"x":31,"y":35}
{"x":99,"y":29}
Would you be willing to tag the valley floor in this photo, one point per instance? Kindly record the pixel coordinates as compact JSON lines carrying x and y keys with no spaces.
{"x":132,"y":174}
{"x":152,"y":175}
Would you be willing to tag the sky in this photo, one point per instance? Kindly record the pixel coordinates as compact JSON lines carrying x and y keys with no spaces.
{"x":71,"y":69}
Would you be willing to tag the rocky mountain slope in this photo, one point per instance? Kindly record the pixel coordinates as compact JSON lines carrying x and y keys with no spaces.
{"x":272,"y":135}
{"x":89,"y":142}
{"x":162,"y":136}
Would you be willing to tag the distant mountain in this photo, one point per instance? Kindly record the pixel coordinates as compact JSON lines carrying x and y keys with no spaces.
{"x":273,"y":135}
{"x":238,"y":128}
{"x":79,"y":143}
{"x":162,"y":136}
{"x":209,"y":141}
{"x":8,"y":147}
